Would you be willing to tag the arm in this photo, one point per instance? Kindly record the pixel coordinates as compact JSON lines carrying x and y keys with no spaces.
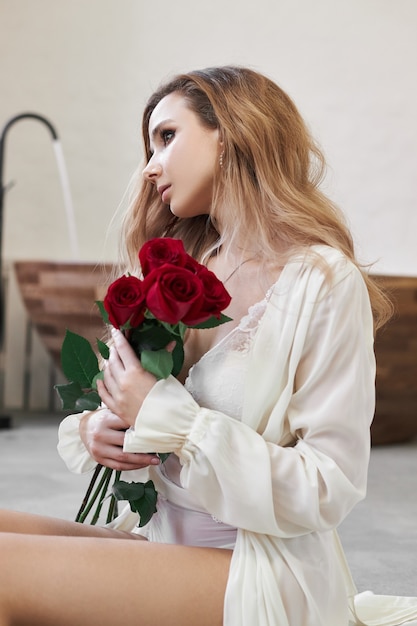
{"x":92,"y":437}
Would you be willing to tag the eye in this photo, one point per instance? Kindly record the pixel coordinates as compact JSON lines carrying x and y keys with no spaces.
{"x":167,"y":136}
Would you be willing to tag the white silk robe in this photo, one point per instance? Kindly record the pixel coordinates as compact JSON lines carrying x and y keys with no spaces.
{"x":290,"y":471}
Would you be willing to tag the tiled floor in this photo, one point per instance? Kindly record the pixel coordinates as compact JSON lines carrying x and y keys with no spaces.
{"x":33,"y":477}
{"x":379,"y":536}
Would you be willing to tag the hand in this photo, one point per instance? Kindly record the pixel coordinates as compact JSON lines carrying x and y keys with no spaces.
{"x":102,"y":433}
{"x":126,"y":384}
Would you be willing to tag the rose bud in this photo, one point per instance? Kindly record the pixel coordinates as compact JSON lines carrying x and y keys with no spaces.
{"x":171,"y":291}
{"x":124,"y":301}
{"x":157,"y":252}
{"x":216,"y":299}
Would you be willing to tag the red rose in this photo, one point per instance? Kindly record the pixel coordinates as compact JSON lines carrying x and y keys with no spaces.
{"x":124,"y":301}
{"x":171,"y":292}
{"x":216,"y":299}
{"x":192,"y":265}
{"x":157,"y":252}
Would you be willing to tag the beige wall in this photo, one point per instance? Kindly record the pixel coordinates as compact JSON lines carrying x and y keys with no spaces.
{"x":88,"y":65}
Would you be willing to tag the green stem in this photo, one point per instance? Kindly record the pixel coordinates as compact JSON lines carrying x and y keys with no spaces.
{"x":113,"y":509}
{"x":106,"y":476}
{"x":88,"y":492}
{"x":102,"y":497}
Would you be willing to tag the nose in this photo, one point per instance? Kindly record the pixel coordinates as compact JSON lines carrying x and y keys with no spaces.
{"x":152,"y":171}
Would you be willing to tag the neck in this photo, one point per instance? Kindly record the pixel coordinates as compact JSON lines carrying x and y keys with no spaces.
{"x":226,"y":264}
{"x":237,"y":268}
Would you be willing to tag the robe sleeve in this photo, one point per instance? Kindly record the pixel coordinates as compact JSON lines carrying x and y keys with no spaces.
{"x":70,"y":447}
{"x":259,"y":485}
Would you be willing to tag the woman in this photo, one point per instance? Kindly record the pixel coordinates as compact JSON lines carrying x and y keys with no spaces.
{"x":268,"y":423}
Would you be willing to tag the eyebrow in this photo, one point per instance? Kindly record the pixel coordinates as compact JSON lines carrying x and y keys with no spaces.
{"x":158,"y":127}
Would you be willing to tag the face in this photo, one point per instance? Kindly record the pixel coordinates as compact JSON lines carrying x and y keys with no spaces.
{"x":185,"y":155}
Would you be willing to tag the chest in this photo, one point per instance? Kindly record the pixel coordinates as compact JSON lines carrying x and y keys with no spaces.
{"x":200,"y":341}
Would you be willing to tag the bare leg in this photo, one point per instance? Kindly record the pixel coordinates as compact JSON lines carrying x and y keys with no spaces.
{"x":71,"y":581}
{"x":26,"y":523}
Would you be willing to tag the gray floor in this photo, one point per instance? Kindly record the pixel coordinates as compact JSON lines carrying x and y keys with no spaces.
{"x":379,"y":536}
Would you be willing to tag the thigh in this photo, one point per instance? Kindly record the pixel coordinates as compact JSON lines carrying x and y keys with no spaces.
{"x":29,"y":524}
{"x":67,"y":581}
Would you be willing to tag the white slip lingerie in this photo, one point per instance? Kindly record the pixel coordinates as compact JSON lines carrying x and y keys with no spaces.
{"x":216,"y":381}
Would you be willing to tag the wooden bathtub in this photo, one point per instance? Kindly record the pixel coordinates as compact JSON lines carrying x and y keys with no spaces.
{"x":60,"y":295}
{"x":396,"y":353}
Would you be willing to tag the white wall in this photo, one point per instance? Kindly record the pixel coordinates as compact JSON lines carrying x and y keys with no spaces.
{"x":89,"y":65}
{"x":76,"y":63}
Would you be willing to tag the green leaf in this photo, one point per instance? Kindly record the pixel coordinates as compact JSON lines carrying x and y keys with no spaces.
{"x":147,"y":506}
{"x":178,"y":357}
{"x":157,"y":362}
{"x":173,"y":329}
{"x":88,"y":402}
{"x":128,"y":491}
{"x":213,"y":321}
{"x":149,"y":337}
{"x":142,"y":498}
{"x":182,"y":329}
{"x":74,"y":398}
{"x":149,"y":315}
{"x":224,"y":318}
{"x":103,"y":348}
{"x":79,"y":362}
{"x":69,"y":394}
{"x":103,"y":312}
{"x":99,"y":376}
{"x":152,"y":336}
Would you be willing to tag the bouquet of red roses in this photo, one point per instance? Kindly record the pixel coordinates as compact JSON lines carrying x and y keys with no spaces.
{"x":175,"y":293}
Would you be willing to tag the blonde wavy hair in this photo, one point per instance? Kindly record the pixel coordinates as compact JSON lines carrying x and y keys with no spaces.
{"x":269,"y":181}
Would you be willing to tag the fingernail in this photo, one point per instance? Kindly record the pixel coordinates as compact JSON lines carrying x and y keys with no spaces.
{"x":155,"y":461}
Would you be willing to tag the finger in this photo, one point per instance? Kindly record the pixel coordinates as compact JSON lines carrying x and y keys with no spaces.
{"x":124,"y":349}
{"x":125,"y":466}
{"x":113,"y":422}
{"x":114,"y":363}
{"x":114,"y":437}
{"x":170,"y":347}
{"x":109,"y":379}
{"x":113,"y":375}
{"x":105,"y":395}
{"x":107,"y":437}
{"x":142,"y":460}
{"x":113,"y":456}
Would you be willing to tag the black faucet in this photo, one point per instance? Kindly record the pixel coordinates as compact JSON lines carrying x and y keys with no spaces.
{"x":6,"y":127}
{"x":4,"y":420}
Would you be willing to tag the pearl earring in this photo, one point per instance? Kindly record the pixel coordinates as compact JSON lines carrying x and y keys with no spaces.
{"x":221,"y":160}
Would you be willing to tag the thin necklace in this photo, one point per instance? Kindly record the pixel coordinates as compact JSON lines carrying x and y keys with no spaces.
{"x":238,"y":267}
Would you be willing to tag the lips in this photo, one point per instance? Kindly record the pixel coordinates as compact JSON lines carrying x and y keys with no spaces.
{"x":162,"y":189}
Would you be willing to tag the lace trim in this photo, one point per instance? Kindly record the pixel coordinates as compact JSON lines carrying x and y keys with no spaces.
{"x":238,"y":340}
{"x":241,"y":338}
